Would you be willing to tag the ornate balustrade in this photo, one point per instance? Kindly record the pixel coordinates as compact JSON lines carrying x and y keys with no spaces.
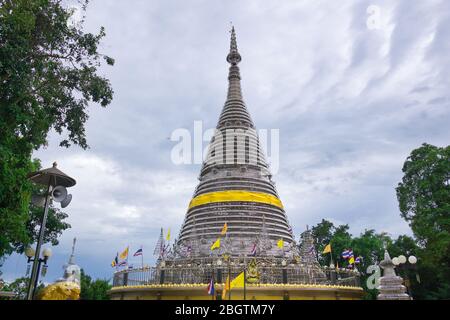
{"x":292,"y":274}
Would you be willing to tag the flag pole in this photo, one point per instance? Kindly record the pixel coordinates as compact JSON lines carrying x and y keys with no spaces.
{"x":117,"y":262}
{"x":214,"y":291}
{"x":128,"y":253}
{"x":331,"y":255}
{"x":229,"y":280}
{"x":245,"y":280}
{"x":142,"y":257}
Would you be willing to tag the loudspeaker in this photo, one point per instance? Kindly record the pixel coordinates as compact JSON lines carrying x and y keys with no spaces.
{"x":59,"y":193}
{"x":66,"y":201}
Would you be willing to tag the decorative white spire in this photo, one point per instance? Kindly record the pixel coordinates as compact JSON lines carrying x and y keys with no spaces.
{"x":72,"y":256}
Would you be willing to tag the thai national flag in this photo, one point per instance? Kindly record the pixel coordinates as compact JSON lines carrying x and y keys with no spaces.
{"x":138,"y":253}
{"x":347,"y":254}
{"x":211,"y":287}
{"x":122,"y":263}
{"x":358,"y":260}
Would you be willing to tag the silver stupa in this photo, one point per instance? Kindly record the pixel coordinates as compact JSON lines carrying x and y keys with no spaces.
{"x":235,"y":188}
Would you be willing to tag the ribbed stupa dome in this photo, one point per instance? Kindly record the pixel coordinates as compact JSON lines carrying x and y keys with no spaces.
{"x":235,"y":188}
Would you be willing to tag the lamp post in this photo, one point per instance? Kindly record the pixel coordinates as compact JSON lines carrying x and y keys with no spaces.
{"x":46,"y":254}
{"x":400,"y":263}
{"x":56,"y":182}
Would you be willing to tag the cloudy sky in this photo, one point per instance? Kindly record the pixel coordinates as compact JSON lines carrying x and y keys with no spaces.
{"x":353,"y":87}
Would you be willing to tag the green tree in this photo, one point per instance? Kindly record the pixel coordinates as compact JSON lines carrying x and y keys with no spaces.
{"x":322,"y":233}
{"x":424,"y":201}
{"x":369,"y":245}
{"x":20,"y":287}
{"x":412,"y":274}
{"x":340,"y":241}
{"x":93,"y":290}
{"x":48,"y":75}
{"x":326,"y":232}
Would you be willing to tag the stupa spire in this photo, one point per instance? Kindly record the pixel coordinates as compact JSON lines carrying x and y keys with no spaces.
{"x":234,"y":186}
{"x":234,"y":111}
{"x":233,"y":57}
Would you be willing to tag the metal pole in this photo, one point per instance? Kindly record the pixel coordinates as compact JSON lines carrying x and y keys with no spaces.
{"x":229,"y":280}
{"x":245,"y":280}
{"x":214,"y":293}
{"x":34,"y":272}
{"x":37,"y":278}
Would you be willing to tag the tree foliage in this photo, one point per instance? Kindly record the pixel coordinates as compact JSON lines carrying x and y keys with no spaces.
{"x":424,"y":201}
{"x":20,"y":287}
{"x":48,"y":75}
{"x":423,"y":280}
{"x":93,"y":289}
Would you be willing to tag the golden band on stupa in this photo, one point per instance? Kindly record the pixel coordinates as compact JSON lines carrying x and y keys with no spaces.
{"x":235,"y":196}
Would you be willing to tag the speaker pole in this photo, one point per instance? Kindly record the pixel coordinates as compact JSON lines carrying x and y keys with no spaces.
{"x":34,"y":272}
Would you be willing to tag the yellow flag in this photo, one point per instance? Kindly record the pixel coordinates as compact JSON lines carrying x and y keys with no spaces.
{"x":168,"y":235}
{"x":226,"y":287}
{"x":327,"y":249}
{"x":238,"y":282}
{"x":216,"y":244}
{"x":124,"y":254}
{"x":280,"y":244}
{"x":224,"y":229}
{"x":351,"y":260}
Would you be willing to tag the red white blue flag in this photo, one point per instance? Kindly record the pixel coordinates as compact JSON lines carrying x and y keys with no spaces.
{"x":347,"y":254}
{"x":138,"y":253}
{"x":211,"y":287}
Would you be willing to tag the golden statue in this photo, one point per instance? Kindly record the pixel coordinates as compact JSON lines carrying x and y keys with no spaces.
{"x":252,"y":272}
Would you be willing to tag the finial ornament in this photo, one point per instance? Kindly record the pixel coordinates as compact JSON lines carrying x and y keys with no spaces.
{"x":233,"y":57}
